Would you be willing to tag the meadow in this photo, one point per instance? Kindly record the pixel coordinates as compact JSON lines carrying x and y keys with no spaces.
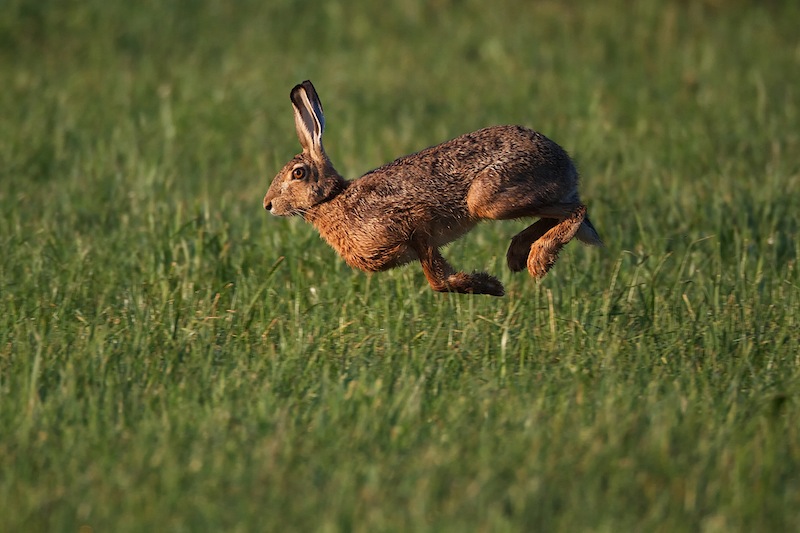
{"x":173,"y":358}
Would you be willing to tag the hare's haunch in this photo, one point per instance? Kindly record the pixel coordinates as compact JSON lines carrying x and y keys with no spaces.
{"x":405,"y":210}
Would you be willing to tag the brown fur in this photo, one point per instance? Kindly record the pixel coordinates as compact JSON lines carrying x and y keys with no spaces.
{"x":405,"y":210}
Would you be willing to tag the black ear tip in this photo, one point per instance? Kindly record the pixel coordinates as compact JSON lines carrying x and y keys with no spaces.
{"x":294,"y":90}
{"x":307,"y":85}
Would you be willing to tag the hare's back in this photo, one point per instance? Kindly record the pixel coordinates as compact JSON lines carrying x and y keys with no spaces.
{"x":511,"y":156}
{"x":515,"y":151}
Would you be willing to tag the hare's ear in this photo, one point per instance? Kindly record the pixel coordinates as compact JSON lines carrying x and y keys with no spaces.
{"x":308,"y":119}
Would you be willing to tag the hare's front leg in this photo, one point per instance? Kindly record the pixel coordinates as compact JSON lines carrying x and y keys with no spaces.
{"x":443,"y":278}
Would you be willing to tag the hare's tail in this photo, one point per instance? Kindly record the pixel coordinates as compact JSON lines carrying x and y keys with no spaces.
{"x":587,"y":234}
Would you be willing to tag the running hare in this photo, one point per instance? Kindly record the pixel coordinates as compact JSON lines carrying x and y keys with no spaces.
{"x":407,"y":209}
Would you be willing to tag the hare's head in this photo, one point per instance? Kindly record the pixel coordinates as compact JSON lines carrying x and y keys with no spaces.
{"x":309,"y":178}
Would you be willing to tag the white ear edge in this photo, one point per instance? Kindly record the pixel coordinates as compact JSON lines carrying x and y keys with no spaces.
{"x":309,"y":119}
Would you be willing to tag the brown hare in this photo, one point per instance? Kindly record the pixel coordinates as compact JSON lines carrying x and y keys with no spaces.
{"x":407,"y":209}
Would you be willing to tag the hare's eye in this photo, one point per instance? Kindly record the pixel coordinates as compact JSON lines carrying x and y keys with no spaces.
{"x":299,"y":173}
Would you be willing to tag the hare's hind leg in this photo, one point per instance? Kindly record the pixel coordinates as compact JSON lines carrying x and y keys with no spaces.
{"x":544,"y":250}
{"x":443,"y":278}
{"x":520,"y":248}
{"x":537,"y":246}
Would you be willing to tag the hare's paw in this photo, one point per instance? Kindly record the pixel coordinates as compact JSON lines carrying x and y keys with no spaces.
{"x":542,"y":257}
{"x":517,"y":255}
{"x":475,"y":283}
{"x":484,"y":283}
{"x":545,"y":249}
{"x":520,"y":247}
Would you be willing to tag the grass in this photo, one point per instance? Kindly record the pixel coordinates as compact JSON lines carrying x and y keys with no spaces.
{"x":172,"y":358}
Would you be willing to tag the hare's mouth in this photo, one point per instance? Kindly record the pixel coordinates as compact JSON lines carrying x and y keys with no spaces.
{"x":286,"y":212}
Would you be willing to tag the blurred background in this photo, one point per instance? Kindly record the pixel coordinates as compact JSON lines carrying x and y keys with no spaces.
{"x":634,"y":90}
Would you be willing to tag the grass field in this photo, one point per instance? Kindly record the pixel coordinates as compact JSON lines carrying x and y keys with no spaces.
{"x":172,"y":358}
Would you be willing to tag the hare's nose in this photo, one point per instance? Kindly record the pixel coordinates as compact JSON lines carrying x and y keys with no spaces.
{"x":267,"y":204}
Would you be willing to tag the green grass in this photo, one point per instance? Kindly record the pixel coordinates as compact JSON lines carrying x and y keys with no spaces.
{"x":174,"y":359}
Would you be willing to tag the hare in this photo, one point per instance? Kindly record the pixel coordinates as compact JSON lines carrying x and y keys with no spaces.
{"x":406,"y":210}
